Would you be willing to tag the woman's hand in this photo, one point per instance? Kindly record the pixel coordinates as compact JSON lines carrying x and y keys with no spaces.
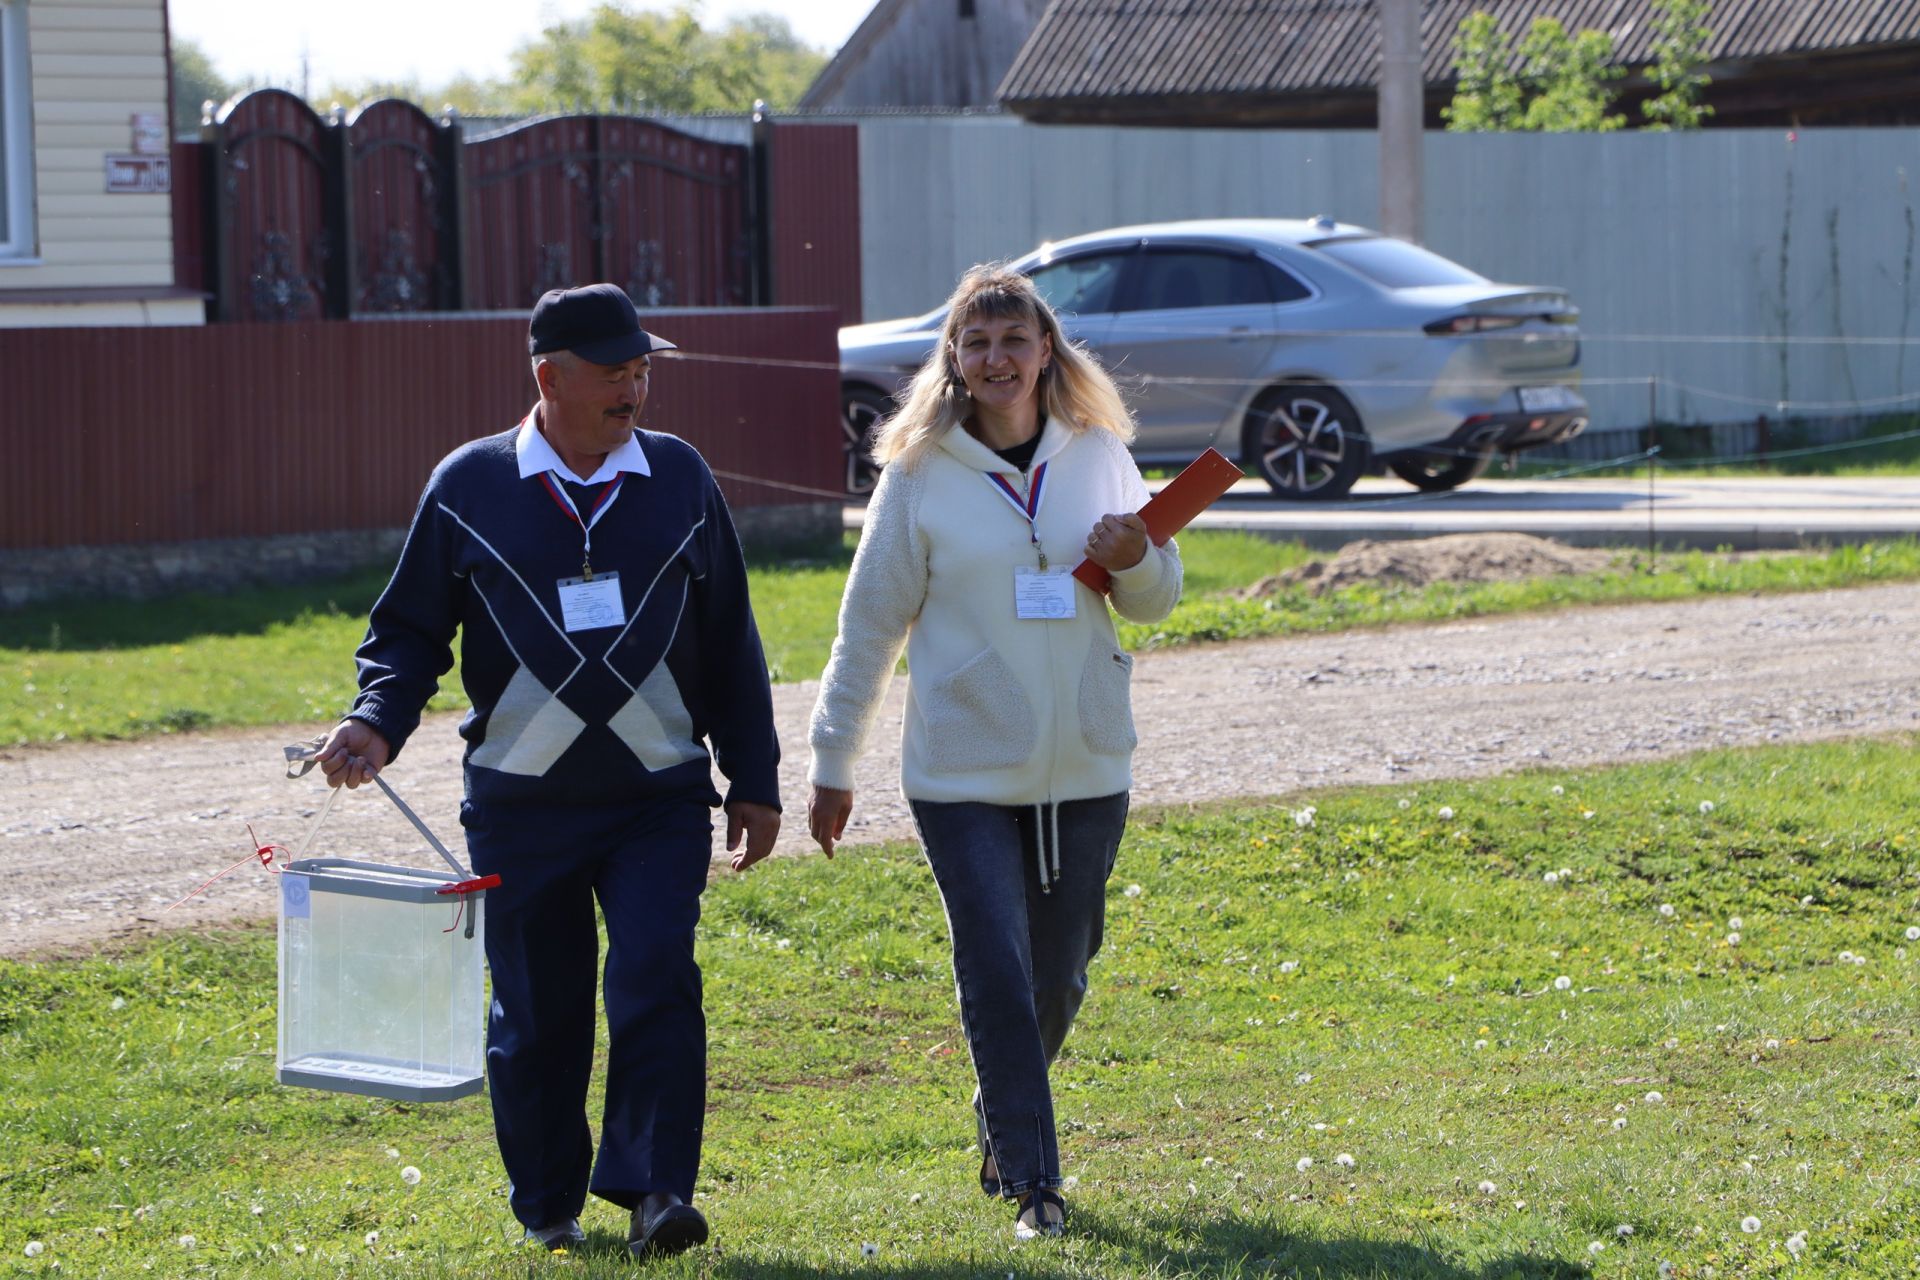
{"x":1118,"y":542}
{"x":827,"y":814}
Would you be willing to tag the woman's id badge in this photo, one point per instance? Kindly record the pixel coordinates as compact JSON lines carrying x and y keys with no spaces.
{"x":590,"y":603}
{"x":1044,"y":594}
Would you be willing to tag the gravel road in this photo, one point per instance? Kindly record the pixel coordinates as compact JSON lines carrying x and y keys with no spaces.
{"x":97,"y":839}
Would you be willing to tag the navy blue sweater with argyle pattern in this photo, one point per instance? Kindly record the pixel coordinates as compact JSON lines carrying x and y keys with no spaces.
{"x":611,"y":715}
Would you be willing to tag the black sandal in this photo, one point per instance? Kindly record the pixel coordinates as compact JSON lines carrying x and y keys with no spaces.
{"x":1034,"y":1202}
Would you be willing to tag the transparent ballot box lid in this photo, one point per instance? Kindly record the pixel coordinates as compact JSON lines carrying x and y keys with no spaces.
{"x":382,"y":985}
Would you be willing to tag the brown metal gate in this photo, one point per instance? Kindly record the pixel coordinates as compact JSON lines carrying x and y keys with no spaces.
{"x":404,"y":203}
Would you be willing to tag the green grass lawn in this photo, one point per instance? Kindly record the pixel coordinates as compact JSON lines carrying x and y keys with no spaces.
{"x":1475,"y":990}
{"x":112,"y":669}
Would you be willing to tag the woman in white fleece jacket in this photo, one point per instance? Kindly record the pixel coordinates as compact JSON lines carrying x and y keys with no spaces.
{"x":1007,"y":464}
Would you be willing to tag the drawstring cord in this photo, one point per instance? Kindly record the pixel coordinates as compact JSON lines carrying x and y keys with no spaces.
{"x":1046,"y":830}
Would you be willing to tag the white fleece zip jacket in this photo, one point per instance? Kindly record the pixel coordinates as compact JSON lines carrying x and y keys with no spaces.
{"x":999,"y":709}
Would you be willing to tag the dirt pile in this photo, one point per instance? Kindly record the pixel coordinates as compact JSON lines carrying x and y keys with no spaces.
{"x":1416,"y":562}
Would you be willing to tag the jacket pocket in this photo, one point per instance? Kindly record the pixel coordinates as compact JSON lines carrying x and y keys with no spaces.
{"x":1106,"y":700}
{"x":978,"y":718}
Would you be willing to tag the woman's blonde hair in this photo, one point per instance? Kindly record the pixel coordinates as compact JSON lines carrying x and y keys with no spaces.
{"x":1075,"y":391}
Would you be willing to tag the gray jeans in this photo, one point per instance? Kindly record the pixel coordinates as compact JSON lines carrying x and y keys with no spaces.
{"x":1020,"y":954}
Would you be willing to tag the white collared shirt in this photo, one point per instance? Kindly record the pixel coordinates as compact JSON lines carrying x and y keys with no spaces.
{"x":536,"y":454}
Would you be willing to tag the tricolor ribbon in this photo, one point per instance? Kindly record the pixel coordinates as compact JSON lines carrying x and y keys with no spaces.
{"x":1028,"y":505}
{"x":558,"y":492}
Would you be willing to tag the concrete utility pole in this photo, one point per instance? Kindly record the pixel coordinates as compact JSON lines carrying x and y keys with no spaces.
{"x":1402,"y":116}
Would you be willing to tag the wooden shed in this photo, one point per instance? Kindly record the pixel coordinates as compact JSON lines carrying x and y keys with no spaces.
{"x":1315,"y":63}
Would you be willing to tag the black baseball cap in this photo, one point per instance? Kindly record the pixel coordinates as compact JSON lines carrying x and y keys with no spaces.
{"x":596,"y":322}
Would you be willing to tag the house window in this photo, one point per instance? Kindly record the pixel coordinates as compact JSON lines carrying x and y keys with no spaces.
{"x":16,"y":134}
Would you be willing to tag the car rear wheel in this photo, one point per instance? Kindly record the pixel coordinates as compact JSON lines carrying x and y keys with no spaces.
{"x":861,"y":409}
{"x":1305,"y":442}
{"x":1438,"y":472}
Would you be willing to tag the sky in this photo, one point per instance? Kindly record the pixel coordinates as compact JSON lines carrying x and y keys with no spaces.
{"x":347,"y":41}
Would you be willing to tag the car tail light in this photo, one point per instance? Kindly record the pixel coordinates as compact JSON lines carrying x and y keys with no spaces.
{"x":1474,"y":324}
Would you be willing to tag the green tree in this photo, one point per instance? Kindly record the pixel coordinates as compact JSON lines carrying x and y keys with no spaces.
{"x":1486,"y":94}
{"x":1554,"y":82}
{"x":1568,"y":77}
{"x":618,"y":58}
{"x":1680,"y":40}
{"x":195,"y":80}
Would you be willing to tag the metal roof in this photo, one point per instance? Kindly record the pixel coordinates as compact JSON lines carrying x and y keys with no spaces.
{"x":1094,"y":49}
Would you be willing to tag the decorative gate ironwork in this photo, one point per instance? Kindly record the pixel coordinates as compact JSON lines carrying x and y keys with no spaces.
{"x":403,"y":198}
{"x":274,"y":199}
{"x":389,"y":211}
{"x":582,"y":198}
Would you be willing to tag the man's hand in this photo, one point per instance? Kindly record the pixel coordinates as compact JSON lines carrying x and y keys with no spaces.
{"x":1118,"y":541}
{"x":760,"y":823}
{"x":353,"y":753}
{"x":827,"y":814}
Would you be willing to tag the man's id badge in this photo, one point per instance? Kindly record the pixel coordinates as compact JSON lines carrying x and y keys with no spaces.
{"x":589,"y":604}
{"x":1042,"y":593}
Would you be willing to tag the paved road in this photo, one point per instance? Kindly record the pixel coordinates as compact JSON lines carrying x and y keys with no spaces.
{"x":1746,"y":514}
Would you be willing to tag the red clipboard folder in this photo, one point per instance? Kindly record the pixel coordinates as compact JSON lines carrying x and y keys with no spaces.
{"x":1174,"y":507}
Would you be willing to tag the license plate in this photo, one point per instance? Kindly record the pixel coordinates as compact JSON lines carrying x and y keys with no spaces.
{"x":1546,"y":399}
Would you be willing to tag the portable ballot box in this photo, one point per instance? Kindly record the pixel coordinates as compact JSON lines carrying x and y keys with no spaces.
{"x":382,"y":985}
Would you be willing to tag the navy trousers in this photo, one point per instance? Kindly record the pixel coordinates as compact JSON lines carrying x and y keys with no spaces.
{"x":647,"y":866}
{"x":1020,"y":956}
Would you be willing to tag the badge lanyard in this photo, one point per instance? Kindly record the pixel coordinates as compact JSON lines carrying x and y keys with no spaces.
{"x":558,"y":492}
{"x":1028,"y":507}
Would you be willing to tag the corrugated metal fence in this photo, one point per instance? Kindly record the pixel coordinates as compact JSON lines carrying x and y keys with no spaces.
{"x":245,"y":430}
{"x":1744,"y":271}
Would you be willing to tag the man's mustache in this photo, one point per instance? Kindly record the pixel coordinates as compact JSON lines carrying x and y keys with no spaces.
{"x":624,"y":411}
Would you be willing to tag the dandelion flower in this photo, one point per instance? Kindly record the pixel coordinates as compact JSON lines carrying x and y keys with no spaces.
{"x":1666,"y":909}
{"x":35,"y":1248}
{"x":1772,"y":1043}
{"x":1134,"y":891}
{"x":1488,"y":1187}
{"x":257,"y":1210}
{"x":1750,"y":1224}
{"x":372,"y":1238}
{"x":1736,"y":923}
{"x":1304,"y":817}
{"x":869,"y":1250}
{"x":1706,"y":806}
{"x":1807,"y":901}
{"x":1619,"y":1122}
{"x":1733,"y":939}
{"x":1304,"y":1163}
{"x":1446,"y":813}
{"x":1797,"y":1243}
{"x":1623,"y":1230}
{"x":1655,"y":1096}
{"x":1913,"y":933}
{"x":1587,"y":814}
{"x":1288,"y":966}
{"x":1344,"y":1160}
{"x":1596,"y":1248}
{"x":1208,"y":1163}
{"x":187,"y":1242}
{"x":1552,"y":877}
{"x":1305,"y":1077}
{"x":1846,"y":957}
{"x":1406,"y":804}
{"x":1859,"y":960}
{"x":1664,"y":1270}
{"x":393,"y":1153}
{"x":119,"y":1003}
{"x":1562,"y":983}
{"x":299,"y":1249}
{"x":1559,"y":790}
{"x":915,"y":1198}
{"x":410,"y":1176}
{"x":1479,"y":1044}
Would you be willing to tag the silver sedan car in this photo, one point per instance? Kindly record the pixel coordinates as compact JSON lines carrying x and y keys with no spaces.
{"x":1312,"y":351}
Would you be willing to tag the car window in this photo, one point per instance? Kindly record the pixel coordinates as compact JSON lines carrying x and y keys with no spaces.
{"x":1286,"y":286}
{"x":1177,"y":279}
{"x":1083,"y":285}
{"x":1395,"y":263}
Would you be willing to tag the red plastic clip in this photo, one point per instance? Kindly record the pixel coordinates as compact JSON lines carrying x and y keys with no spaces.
{"x":474,"y":885}
{"x":263,"y":852}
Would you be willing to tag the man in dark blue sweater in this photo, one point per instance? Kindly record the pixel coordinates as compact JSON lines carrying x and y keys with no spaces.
{"x":594,"y":575}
